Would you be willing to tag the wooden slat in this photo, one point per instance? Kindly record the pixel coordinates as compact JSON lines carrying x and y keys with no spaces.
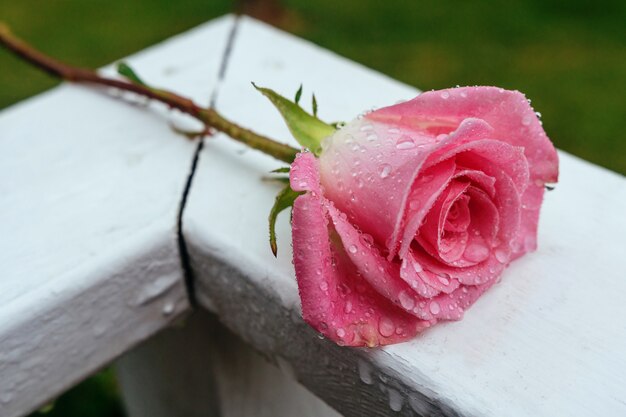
{"x":89,"y":194}
{"x":548,"y":340}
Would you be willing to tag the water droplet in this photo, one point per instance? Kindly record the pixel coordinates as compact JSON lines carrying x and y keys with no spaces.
{"x":340,"y":332}
{"x":463,"y":94}
{"x":501,"y":256}
{"x":368,"y":240}
{"x":405,"y":142}
{"x":393,"y":130}
{"x":365,"y":372}
{"x":464,"y":289}
{"x":406,"y":300}
{"x":324,"y":286}
{"x":6,"y":397}
{"x":417,"y":267}
{"x":384,"y":170}
{"x":366,"y":127}
{"x":348,"y":307}
{"x":168,"y":308}
{"x":99,"y":329}
{"x":372,"y":137}
{"x":395,"y":400}
{"x":434,"y":307}
{"x":538,"y":114}
{"x":445,"y":95}
{"x":476,"y":252}
{"x":526,"y":120}
{"x":444,"y":279}
{"x":352,"y":248}
{"x":386,"y":326}
{"x":359,"y":183}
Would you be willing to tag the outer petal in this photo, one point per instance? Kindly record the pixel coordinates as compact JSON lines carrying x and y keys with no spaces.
{"x":336,"y":300}
{"x":508,"y":112}
{"x":366,"y":175}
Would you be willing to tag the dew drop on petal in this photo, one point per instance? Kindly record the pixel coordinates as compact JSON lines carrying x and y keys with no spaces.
{"x":434,"y":307}
{"x":405,"y":142}
{"x":352,"y":249}
{"x":384,"y":170}
{"x":406,"y":300}
{"x":367,"y":240}
{"x":417,"y":267}
{"x":445,"y":95}
{"x":348,"y":307}
{"x":526,"y":120}
{"x":386,"y":327}
{"x":444,"y":279}
{"x":323,"y":286}
{"x":501,"y":256}
{"x":476,"y":252}
{"x":340,"y":332}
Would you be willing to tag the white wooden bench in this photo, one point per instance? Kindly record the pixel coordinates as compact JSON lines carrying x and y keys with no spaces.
{"x":89,"y":195}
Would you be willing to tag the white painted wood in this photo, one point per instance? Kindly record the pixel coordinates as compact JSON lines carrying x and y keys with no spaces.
{"x":89,"y":192}
{"x":549,"y":340}
{"x":200,"y":369}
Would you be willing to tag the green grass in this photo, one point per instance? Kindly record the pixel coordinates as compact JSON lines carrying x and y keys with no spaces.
{"x":569,"y":57}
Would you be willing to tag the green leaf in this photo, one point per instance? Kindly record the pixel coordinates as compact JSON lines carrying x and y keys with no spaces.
{"x":284,"y":200}
{"x":314,"y":105}
{"x":126,"y":71}
{"x":298,"y":95}
{"x":308,"y":130}
{"x":281,"y":170}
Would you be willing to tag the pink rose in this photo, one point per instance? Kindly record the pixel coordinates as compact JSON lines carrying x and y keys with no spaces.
{"x":413,"y":211}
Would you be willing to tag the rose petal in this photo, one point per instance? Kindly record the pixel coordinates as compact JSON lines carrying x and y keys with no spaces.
{"x":478,"y":178}
{"x":510,"y":159}
{"x":412,"y":273}
{"x":336,"y":300}
{"x":424,"y":193}
{"x":367,"y":177}
{"x":507,"y":112}
{"x":381,"y":274}
{"x":451,"y":306}
{"x":431,"y":233}
{"x":304,"y":173}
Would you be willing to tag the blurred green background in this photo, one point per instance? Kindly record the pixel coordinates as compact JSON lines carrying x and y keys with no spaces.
{"x":569,"y":57}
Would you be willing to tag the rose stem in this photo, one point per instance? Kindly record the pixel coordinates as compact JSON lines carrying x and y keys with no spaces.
{"x":208,"y":116}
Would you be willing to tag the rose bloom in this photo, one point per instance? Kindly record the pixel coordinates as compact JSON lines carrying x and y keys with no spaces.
{"x":414,"y":210}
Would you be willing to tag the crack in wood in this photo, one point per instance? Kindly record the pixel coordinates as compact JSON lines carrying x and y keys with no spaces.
{"x":182,"y":244}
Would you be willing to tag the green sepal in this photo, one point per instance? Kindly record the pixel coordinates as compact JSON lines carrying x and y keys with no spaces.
{"x":125,"y":70}
{"x":284,"y":200}
{"x":308,"y":130}
{"x":298,"y":95}
{"x":314,"y":105}
{"x":281,"y":170}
